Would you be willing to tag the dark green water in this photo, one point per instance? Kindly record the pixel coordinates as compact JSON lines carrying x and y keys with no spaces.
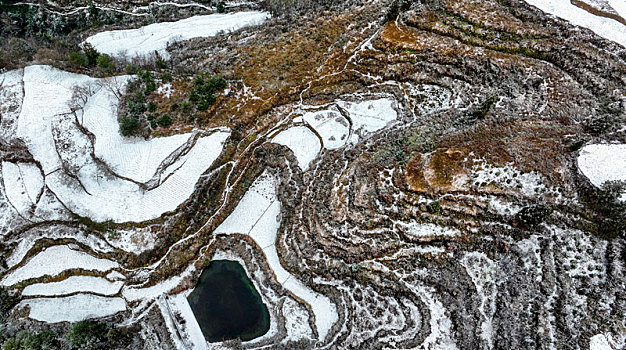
{"x":226,"y":304}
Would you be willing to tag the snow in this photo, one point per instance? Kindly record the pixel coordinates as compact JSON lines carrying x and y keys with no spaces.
{"x":165,"y":90}
{"x":296,"y":321}
{"x":11,"y":95}
{"x":428,"y":230}
{"x":619,"y":6}
{"x":331,"y":125}
{"x":508,"y":177}
{"x":18,"y":188}
{"x":73,"y":308}
{"x":441,"y":334}
{"x":179,"y":305}
{"x":54,"y":260}
{"x":599,"y":342}
{"x":145,"y":40}
{"x":370,"y":115}
{"x":257,"y":214}
{"x":603,"y":162}
{"x":84,"y":185}
{"x":302,"y":141}
{"x":74,"y":284}
{"x":130,"y":157}
{"x":482,"y":271}
{"x":251,"y":207}
{"x":604,"y":27}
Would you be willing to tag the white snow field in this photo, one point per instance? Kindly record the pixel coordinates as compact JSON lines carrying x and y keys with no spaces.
{"x":145,"y":40}
{"x":73,"y":308}
{"x":370,"y":115}
{"x":11,"y":95}
{"x":23,"y":185}
{"x":603,"y":162}
{"x":257,"y":214}
{"x":331,"y":125}
{"x":74,"y":284}
{"x":82,"y":184}
{"x":54,"y":260}
{"x":604,"y":27}
{"x":179,"y":305}
{"x":302,"y":141}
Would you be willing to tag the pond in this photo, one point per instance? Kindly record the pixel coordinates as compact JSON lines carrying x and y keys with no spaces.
{"x":227,"y":305}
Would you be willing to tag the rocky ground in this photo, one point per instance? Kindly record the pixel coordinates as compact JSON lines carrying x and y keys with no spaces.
{"x":427,"y":189}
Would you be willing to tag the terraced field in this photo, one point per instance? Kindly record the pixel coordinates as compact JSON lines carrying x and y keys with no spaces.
{"x":429,"y":175}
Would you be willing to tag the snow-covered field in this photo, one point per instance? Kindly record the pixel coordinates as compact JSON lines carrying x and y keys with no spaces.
{"x":179,"y":305}
{"x":331,"y":125}
{"x":73,"y":308}
{"x":302,"y":141}
{"x":370,"y":115}
{"x":258,"y":215}
{"x":605,"y":27}
{"x":145,"y":40}
{"x":603,"y":162}
{"x":170,"y":165}
{"x":74,"y":284}
{"x":54,"y":260}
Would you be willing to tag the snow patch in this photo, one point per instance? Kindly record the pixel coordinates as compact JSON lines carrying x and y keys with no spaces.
{"x":604,"y":27}
{"x":73,"y":308}
{"x":257,"y":215}
{"x":74,"y":284}
{"x":333,"y":128}
{"x":54,"y":260}
{"x":145,"y":40}
{"x":603,"y":162}
{"x":370,"y":115}
{"x":302,"y":141}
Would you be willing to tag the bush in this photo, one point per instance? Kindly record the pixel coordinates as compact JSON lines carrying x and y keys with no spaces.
{"x":77,"y":59}
{"x":164,"y":121}
{"x":105,"y":62}
{"x":204,"y":89}
{"x":534,"y":215}
{"x":7,"y":301}
{"x":87,"y":335}
{"x":129,"y":126}
{"x":166,"y":77}
{"x":159,"y":60}
{"x":152,"y":106}
{"x":44,"y":340}
{"x":91,"y":53}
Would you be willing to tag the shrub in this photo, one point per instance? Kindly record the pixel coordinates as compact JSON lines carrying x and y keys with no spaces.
{"x":7,"y":301}
{"x":164,"y":121}
{"x":166,"y":77}
{"x":44,"y":340}
{"x":203,"y":91}
{"x":87,"y":335}
{"x":91,"y":53}
{"x":129,"y":126}
{"x":105,"y":62}
{"x":220,"y":7}
{"x":159,"y":60}
{"x":534,"y":215}
{"x":77,"y":59}
{"x":152,"y":106}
